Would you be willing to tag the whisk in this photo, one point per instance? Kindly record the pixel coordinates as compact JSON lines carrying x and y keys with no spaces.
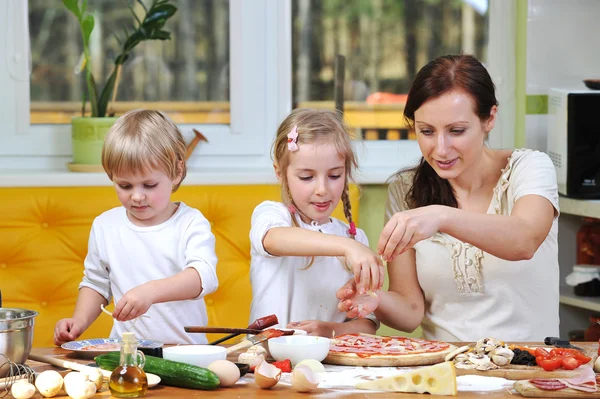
{"x":16,"y":372}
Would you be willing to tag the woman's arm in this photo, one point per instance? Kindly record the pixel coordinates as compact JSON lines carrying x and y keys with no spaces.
{"x":514,"y":237}
{"x":402,"y":306}
{"x":328,"y":329}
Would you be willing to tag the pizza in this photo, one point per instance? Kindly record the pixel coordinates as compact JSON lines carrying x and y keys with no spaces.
{"x":372,"y":350}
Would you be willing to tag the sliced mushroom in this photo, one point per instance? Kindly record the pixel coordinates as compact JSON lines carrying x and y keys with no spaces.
{"x":455,"y":352}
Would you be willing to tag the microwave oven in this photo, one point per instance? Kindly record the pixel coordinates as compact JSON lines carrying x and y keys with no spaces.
{"x":574,"y":141}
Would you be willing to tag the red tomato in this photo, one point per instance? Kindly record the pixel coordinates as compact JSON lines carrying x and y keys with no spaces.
{"x":541,"y":352}
{"x":569,"y":363}
{"x":550,"y":364}
{"x":581,"y":358}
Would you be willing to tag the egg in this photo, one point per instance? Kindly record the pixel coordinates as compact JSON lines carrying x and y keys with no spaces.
{"x":266,"y":375}
{"x":227,"y":372}
{"x":304,"y":379}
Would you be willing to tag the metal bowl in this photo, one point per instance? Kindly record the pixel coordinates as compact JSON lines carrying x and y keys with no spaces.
{"x":16,"y":336}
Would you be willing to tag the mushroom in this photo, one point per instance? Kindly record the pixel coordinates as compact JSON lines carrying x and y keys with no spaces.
{"x":502,"y":356}
{"x":49,"y":382}
{"x":22,"y":389}
{"x":78,"y":386}
{"x":94,"y":375}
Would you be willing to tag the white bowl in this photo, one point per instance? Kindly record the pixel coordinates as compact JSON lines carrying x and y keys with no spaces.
{"x":198,"y":355}
{"x":298,"y":348}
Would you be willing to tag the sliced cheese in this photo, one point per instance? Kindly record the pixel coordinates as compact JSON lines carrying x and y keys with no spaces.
{"x":439,"y":379}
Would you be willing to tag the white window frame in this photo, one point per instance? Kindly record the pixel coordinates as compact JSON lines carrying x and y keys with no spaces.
{"x":260,"y":97}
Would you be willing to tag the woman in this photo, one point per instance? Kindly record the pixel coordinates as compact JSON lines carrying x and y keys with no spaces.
{"x":471,"y":232}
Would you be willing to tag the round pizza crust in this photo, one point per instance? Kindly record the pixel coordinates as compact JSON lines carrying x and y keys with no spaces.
{"x":419,"y":359}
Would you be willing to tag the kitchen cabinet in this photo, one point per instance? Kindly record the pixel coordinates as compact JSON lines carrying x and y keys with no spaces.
{"x":575,"y":311}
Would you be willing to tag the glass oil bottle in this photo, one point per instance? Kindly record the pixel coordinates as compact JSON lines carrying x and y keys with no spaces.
{"x":129,"y":380}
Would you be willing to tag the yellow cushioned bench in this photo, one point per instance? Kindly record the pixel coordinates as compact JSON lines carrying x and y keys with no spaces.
{"x":44,"y":235}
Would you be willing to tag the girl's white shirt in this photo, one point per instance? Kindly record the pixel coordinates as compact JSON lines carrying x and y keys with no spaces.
{"x":282,"y":285}
{"x":122,"y":256}
{"x":470,"y":294}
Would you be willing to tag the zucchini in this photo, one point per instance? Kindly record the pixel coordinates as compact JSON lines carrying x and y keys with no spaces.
{"x":171,"y":373}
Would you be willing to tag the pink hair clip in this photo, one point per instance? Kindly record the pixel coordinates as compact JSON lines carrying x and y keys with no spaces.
{"x":291,"y":208}
{"x":293,"y":139}
{"x":352,"y":229}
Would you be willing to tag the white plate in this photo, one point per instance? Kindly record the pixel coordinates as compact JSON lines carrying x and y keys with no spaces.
{"x":90,"y":348}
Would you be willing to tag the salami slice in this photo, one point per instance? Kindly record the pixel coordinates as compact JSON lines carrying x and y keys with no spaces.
{"x":547,"y":384}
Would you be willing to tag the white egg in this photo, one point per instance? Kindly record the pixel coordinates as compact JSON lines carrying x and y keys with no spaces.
{"x":227,"y":372}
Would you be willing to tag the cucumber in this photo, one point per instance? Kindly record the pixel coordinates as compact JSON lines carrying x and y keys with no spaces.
{"x":171,"y":373}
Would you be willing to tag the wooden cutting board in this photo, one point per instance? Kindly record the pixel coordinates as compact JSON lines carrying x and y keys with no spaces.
{"x":520,"y":372}
{"x":527,"y":389}
{"x":517,"y":372}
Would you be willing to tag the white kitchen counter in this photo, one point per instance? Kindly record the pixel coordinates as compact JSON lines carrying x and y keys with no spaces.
{"x":66,"y":178}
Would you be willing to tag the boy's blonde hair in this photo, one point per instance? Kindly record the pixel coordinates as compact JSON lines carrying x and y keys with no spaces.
{"x":313,"y":126}
{"x":142,"y":140}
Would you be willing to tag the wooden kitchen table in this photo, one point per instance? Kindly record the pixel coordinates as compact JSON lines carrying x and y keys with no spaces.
{"x":250,"y":390}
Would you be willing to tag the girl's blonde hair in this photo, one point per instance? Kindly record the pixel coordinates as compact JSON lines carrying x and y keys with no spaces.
{"x":142,"y":140}
{"x":315,"y":126}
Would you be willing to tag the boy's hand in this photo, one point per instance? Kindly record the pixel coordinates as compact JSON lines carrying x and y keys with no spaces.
{"x":367,"y":266}
{"x":66,"y":330}
{"x":134,"y":303}
{"x":355,"y":304}
{"x":314,"y":327}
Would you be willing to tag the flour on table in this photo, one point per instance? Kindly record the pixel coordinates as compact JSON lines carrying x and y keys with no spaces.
{"x":344,"y":378}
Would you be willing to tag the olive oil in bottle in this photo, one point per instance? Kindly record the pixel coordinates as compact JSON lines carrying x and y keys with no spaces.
{"x":129,"y":380}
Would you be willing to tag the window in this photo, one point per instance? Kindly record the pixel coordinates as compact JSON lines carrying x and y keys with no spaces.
{"x":279,"y":54}
{"x":384,"y":43}
{"x":187,"y":76}
{"x":238,"y":93}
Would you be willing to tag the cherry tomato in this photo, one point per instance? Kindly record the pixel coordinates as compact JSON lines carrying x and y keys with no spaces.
{"x":550,"y":364}
{"x":581,"y":358}
{"x":541,"y":352}
{"x":569,"y":363}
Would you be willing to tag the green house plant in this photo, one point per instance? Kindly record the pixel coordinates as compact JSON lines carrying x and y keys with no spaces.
{"x":88,"y":132}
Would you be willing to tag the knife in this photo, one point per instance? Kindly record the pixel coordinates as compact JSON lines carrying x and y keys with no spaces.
{"x":561,"y":343}
{"x":221,"y":330}
{"x":258,"y":324}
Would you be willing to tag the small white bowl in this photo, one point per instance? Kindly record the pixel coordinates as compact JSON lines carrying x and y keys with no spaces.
{"x":198,"y":355}
{"x":298,"y":348}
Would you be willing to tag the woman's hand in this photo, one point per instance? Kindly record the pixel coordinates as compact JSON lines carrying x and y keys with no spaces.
{"x":407,"y":228}
{"x":314,"y":327}
{"x":355,"y":304}
{"x":366,"y":265}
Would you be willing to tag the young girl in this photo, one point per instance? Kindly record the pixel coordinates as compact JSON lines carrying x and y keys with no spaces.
{"x":154,"y":256}
{"x":300,"y":254}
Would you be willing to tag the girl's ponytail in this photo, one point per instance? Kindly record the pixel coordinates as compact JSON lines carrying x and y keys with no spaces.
{"x":348,"y":211}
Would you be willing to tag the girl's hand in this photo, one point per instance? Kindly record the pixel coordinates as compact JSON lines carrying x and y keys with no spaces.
{"x":354,"y":304}
{"x":366,"y":265}
{"x":67,"y":330}
{"x":133,"y":304}
{"x":407,"y":228}
{"x":314,"y":327}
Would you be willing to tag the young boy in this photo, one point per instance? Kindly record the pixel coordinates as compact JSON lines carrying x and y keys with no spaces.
{"x":155,"y":257}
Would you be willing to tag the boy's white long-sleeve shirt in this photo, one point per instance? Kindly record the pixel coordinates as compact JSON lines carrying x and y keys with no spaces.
{"x":282,"y":285}
{"x":122,"y":256}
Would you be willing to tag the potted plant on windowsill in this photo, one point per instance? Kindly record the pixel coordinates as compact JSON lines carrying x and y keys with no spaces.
{"x":88,"y":131}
